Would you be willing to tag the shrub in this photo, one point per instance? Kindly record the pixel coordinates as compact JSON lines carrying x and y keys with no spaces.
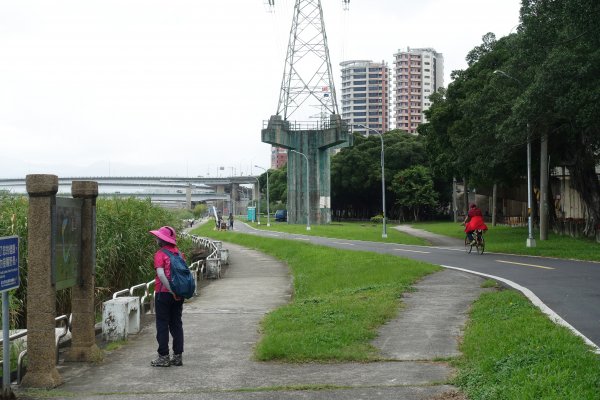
{"x":378,"y":219}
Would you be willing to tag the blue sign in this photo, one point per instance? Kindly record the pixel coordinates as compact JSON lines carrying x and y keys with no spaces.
{"x":9,"y":263}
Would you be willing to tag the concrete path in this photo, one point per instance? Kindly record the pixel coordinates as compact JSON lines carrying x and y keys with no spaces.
{"x":222,"y":326}
{"x":433,"y":238}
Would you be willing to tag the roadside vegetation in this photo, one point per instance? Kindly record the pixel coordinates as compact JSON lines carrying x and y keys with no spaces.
{"x":343,"y":230}
{"x":124,"y":248}
{"x":512,"y":351}
{"x":499,"y":239}
{"x":505,"y":239}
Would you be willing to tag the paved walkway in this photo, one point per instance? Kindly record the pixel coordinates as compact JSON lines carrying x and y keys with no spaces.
{"x":433,"y":238}
{"x":222,"y":326}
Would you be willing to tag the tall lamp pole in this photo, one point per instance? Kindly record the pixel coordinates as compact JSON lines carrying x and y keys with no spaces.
{"x":307,"y":190}
{"x":530,"y":239}
{"x":258,"y":202}
{"x":268,"y":211}
{"x":384,"y":233}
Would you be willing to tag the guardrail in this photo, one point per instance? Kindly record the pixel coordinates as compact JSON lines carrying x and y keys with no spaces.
{"x":66,"y":327}
{"x":212,"y":265}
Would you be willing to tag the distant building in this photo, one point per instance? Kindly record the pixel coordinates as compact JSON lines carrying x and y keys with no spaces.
{"x":278,"y":157}
{"x":365,"y":95}
{"x":418,"y":73}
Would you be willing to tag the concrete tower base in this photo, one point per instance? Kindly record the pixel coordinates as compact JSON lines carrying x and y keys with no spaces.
{"x":315,"y":142}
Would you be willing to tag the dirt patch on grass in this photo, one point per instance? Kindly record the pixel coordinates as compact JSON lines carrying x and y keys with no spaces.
{"x":451,"y":395}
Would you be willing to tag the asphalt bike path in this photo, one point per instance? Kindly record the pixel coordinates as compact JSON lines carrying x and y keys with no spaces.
{"x":222,"y":326}
{"x":566,"y":290}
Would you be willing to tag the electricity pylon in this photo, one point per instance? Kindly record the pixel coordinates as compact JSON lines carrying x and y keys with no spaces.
{"x":307,"y":82}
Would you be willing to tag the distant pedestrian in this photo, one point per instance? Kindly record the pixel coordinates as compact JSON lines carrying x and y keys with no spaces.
{"x":168,"y":307}
{"x":219,"y":221}
{"x":230,"y":221}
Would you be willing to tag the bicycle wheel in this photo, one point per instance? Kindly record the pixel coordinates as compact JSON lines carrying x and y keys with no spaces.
{"x":468,"y":245}
{"x":480,"y":245}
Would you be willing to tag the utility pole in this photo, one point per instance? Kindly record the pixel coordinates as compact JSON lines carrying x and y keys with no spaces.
{"x":544,"y":187}
{"x":454,"y":200}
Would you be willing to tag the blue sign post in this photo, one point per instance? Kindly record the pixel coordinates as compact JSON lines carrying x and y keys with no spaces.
{"x":9,"y":279}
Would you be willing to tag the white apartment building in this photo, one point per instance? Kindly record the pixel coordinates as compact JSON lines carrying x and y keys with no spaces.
{"x":418,"y":73}
{"x":366,"y":95}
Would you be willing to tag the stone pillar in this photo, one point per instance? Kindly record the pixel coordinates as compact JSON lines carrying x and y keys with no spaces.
{"x":188,"y":196}
{"x":41,"y":295}
{"x":83,"y":344}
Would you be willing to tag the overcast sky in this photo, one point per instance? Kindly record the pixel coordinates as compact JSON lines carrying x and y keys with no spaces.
{"x":181,"y":87}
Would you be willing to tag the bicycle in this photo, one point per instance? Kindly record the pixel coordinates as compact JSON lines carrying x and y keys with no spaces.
{"x":479,"y":242}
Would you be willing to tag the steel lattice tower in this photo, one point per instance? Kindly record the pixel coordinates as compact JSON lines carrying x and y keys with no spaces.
{"x":307,"y":82}
{"x":307,"y":74}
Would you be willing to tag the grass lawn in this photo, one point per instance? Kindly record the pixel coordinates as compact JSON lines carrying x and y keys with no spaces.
{"x":512,"y":351}
{"x":344,"y":230}
{"x":504,"y":239}
{"x":340,"y":299}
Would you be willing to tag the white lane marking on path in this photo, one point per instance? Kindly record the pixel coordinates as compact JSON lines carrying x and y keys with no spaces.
{"x":347,"y":244}
{"x":414,"y":251}
{"x":526,"y":265}
{"x":536,"y":301}
{"x":301,"y":239}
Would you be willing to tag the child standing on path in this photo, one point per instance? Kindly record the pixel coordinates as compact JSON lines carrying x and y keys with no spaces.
{"x":168,"y":307}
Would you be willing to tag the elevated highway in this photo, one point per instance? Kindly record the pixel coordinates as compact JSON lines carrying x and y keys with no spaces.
{"x":233,"y":192}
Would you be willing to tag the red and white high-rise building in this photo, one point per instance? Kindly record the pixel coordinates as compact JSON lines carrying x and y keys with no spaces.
{"x":418,"y":73}
{"x":279,"y":157}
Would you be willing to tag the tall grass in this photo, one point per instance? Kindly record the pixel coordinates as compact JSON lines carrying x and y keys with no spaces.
{"x":124,"y":255}
{"x":124,"y":248}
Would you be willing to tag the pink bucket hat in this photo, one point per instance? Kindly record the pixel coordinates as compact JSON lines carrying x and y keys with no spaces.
{"x":166,"y":233}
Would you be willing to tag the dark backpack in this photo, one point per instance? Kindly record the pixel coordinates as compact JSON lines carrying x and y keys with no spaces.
{"x":182,"y":282}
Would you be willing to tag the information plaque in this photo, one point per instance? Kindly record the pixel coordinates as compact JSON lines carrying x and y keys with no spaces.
{"x":9,"y":263}
{"x":66,"y":235}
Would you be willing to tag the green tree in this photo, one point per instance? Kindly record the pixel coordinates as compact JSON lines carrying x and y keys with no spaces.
{"x":277,"y":186}
{"x":413,"y":188}
{"x":560,"y":47}
{"x":356,"y":172}
{"x":199,"y":210}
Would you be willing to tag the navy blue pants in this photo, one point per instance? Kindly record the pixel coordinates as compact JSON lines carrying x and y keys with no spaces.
{"x":168,"y":320}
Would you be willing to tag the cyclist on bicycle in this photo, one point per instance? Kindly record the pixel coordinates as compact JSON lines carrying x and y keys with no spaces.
{"x":474,"y":221}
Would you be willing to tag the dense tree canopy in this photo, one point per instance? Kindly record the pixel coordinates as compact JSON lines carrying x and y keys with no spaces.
{"x":545,"y":77}
{"x":356,"y":172}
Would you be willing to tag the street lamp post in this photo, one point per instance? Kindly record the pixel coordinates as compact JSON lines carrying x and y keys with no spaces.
{"x":530,"y":239}
{"x":384,"y":233}
{"x":268,"y":211}
{"x":258,"y":202}
{"x":307,"y":190}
